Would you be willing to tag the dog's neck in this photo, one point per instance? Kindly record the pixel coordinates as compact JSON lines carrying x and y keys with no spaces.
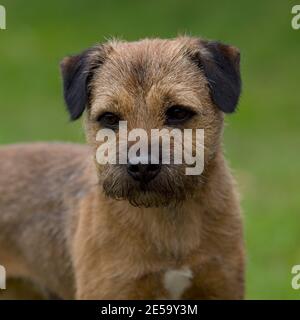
{"x":179,"y":230}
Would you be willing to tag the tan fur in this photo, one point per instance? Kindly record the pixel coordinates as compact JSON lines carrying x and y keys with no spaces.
{"x":59,"y":229}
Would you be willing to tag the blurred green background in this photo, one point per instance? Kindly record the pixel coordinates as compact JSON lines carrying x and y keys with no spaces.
{"x":262,"y":139}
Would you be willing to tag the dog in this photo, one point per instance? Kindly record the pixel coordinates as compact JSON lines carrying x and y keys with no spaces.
{"x":84,"y":230}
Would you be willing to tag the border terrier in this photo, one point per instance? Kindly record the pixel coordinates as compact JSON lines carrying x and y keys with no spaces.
{"x":84,"y":230}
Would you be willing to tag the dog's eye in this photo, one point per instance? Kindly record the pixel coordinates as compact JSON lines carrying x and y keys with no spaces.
{"x":178,"y":114}
{"x":109,"y":120}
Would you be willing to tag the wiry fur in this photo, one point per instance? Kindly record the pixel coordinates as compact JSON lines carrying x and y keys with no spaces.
{"x":86,"y":231}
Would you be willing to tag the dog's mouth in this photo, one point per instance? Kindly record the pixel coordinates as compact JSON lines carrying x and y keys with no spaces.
{"x":169,"y":188}
{"x":144,"y":197}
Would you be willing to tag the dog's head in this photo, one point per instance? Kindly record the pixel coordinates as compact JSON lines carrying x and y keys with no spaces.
{"x":185,"y":83}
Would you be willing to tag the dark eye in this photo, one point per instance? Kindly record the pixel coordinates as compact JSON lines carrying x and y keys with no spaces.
{"x":109,"y":120}
{"x":178,"y":115}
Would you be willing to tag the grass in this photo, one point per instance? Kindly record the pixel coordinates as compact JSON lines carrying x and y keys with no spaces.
{"x":261,"y":139}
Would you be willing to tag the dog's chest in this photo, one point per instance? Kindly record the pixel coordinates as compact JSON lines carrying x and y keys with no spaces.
{"x":177,"y":281}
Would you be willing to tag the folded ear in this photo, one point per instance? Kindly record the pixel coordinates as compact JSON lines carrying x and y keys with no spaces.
{"x":221,"y":65}
{"x":77,"y":72}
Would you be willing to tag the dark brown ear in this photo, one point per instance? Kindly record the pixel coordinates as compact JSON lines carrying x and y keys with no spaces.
{"x":221,"y":65}
{"x":77,"y":72}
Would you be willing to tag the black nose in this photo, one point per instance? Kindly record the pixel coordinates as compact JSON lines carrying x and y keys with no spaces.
{"x":143,"y":172}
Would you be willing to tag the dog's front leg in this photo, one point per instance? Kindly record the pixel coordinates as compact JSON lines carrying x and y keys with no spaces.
{"x":101,"y":274}
{"x":108,"y":267}
{"x":118,"y":288}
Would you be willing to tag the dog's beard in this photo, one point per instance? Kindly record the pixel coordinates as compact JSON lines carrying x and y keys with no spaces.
{"x":170,"y":188}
